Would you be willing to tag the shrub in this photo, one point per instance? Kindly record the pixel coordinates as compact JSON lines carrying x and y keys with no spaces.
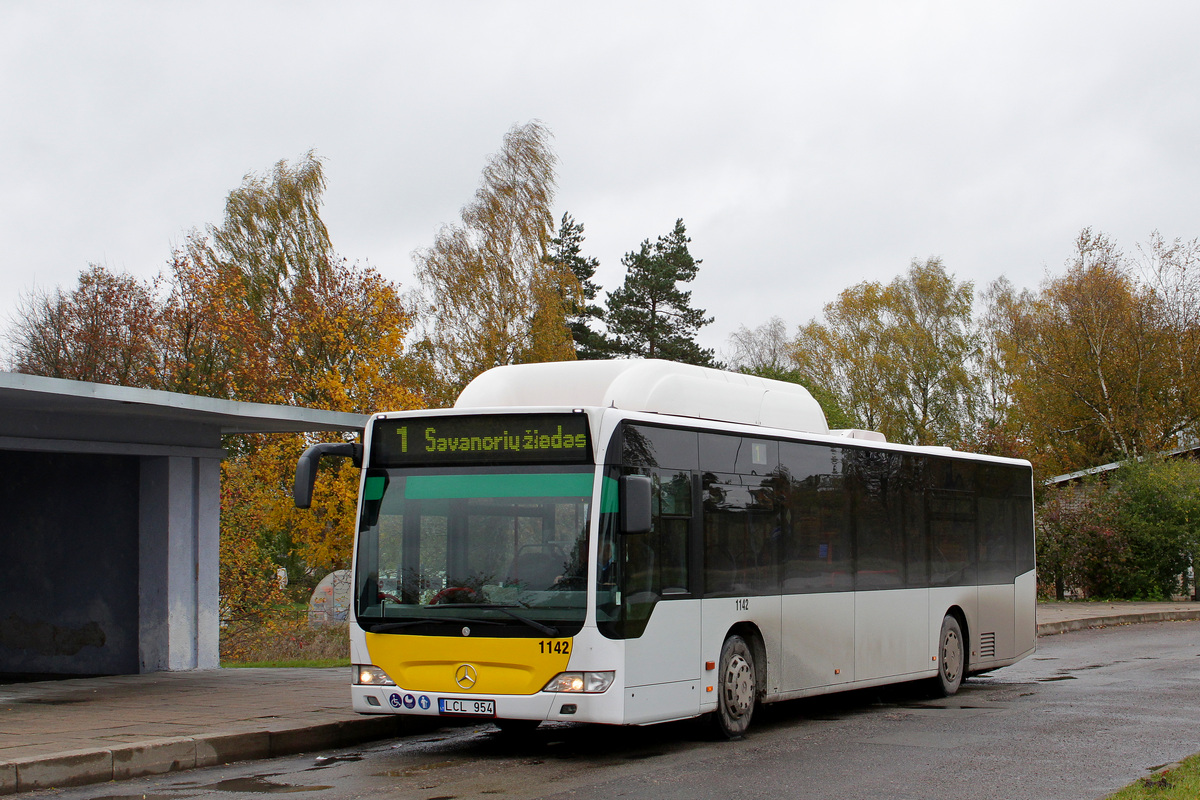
{"x":281,"y":638}
{"x":1130,"y":538}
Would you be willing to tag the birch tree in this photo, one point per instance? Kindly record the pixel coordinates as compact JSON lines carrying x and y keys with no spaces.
{"x":898,"y":356}
{"x":489,"y":295}
{"x":1103,"y":360}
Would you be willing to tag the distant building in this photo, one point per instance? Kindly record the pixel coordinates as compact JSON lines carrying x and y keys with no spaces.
{"x":1192,"y":451}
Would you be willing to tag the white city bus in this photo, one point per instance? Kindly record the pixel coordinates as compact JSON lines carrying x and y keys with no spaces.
{"x":631,"y":542}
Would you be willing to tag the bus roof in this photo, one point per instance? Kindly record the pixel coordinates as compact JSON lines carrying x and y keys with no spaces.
{"x":651,"y":385}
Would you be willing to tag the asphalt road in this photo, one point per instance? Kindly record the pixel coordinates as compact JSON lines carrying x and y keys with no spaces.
{"x":1090,"y":712}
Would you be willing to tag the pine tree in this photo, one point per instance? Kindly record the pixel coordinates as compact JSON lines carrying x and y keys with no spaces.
{"x":564,"y":252}
{"x":650,"y":316}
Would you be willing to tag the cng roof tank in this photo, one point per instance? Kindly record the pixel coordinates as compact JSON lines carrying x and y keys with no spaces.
{"x":651,"y":385}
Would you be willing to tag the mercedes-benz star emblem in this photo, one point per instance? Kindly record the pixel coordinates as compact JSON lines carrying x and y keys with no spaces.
{"x":465,"y":676}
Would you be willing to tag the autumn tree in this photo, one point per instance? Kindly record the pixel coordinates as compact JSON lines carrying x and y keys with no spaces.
{"x":998,"y":428}
{"x":566,"y":252}
{"x":898,"y":356}
{"x":1171,"y":271}
{"x":489,"y":295}
{"x":260,"y":308}
{"x":650,"y":316}
{"x":935,"y":347}
{"x":1102,"y":359}
{"x":845,"y":353}
{"x":104,"y":330}
{"x":241,"y":276}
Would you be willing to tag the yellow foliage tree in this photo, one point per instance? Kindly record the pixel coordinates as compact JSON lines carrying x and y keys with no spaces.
{"x":898,"y":357}
{"x":1101,"y":358}
{"x":262,"y":309}
{"x":489,"y":294}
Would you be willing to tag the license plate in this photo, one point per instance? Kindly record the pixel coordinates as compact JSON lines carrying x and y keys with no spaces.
{"x":467,"y":708}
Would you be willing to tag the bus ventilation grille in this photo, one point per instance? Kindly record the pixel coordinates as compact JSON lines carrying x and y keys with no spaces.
{"x":987,"y":645}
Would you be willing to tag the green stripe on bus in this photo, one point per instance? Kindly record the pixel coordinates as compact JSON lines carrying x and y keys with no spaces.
{"x":373,"y":489}
{"x":444,"y":487}
{"x":608,"y":496}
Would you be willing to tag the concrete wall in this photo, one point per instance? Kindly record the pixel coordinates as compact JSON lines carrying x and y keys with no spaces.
{"x":69,"y":557}
{"x":108,"y":563}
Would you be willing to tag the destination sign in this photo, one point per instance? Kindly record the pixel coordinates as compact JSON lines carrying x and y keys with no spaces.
{"x":481,"y":439}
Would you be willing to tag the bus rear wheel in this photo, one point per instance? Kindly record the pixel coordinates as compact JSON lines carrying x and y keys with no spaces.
{"x":737,"y":687}
{"x":952,"y":657}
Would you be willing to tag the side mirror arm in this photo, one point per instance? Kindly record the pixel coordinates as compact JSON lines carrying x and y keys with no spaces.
{"x":310,"y":459}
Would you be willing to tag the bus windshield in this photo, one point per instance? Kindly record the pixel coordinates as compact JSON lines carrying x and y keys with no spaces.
{"x":504,"y":549}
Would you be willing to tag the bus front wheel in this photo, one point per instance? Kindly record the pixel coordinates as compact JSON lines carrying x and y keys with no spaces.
{"x":737,"y":687}
{"x":952,"y":657}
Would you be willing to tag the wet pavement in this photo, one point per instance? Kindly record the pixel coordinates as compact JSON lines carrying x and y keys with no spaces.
{"x":88,"y":730}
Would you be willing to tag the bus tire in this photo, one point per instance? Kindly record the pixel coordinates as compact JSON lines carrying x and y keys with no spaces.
{"x":952,"y":657}
{"x":737,"y":687}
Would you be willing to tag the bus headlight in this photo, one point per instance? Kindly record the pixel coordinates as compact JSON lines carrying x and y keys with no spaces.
{"x":590,"y":682}
{"x":370,"y":675}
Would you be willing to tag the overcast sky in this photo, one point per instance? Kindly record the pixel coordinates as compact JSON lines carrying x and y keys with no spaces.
{"x":807,"y":146}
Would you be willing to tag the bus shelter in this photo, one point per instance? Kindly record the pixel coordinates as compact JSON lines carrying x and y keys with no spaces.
{"x":109,"y":522}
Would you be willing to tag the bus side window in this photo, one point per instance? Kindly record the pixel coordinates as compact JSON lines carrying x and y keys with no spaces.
{"x":879,"y":523}
{"x":997,"y":524}
{"x":952,"y":516}
{"x":817,"y":545}
{"x":656,"y":564}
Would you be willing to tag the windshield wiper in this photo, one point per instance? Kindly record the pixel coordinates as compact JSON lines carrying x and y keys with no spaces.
{"x":392,"y":626}
{"x":540,"y":627}
{"x":504,"y":608}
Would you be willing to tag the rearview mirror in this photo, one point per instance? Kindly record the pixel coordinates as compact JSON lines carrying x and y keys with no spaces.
{"x":634,"y":497}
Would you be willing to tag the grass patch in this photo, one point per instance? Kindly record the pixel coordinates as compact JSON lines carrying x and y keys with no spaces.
{"x":284,"y":639}
{"x":1179,"y":783}
{"x":311,"y":663}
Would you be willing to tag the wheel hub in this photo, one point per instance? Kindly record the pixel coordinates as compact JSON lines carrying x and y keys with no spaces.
{"x":739,"y":686}
{"x":952,"y":656}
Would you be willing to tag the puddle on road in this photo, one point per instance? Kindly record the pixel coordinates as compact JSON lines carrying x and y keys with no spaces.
{"x":258,"y":784}
{"x":55,"y":701}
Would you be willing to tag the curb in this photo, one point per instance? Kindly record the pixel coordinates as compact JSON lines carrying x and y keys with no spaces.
{"x":156,"y":756}
{"x":1052,"y":628}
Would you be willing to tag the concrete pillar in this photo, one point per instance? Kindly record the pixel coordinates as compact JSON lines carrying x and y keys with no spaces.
{"x":179,"y":516}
